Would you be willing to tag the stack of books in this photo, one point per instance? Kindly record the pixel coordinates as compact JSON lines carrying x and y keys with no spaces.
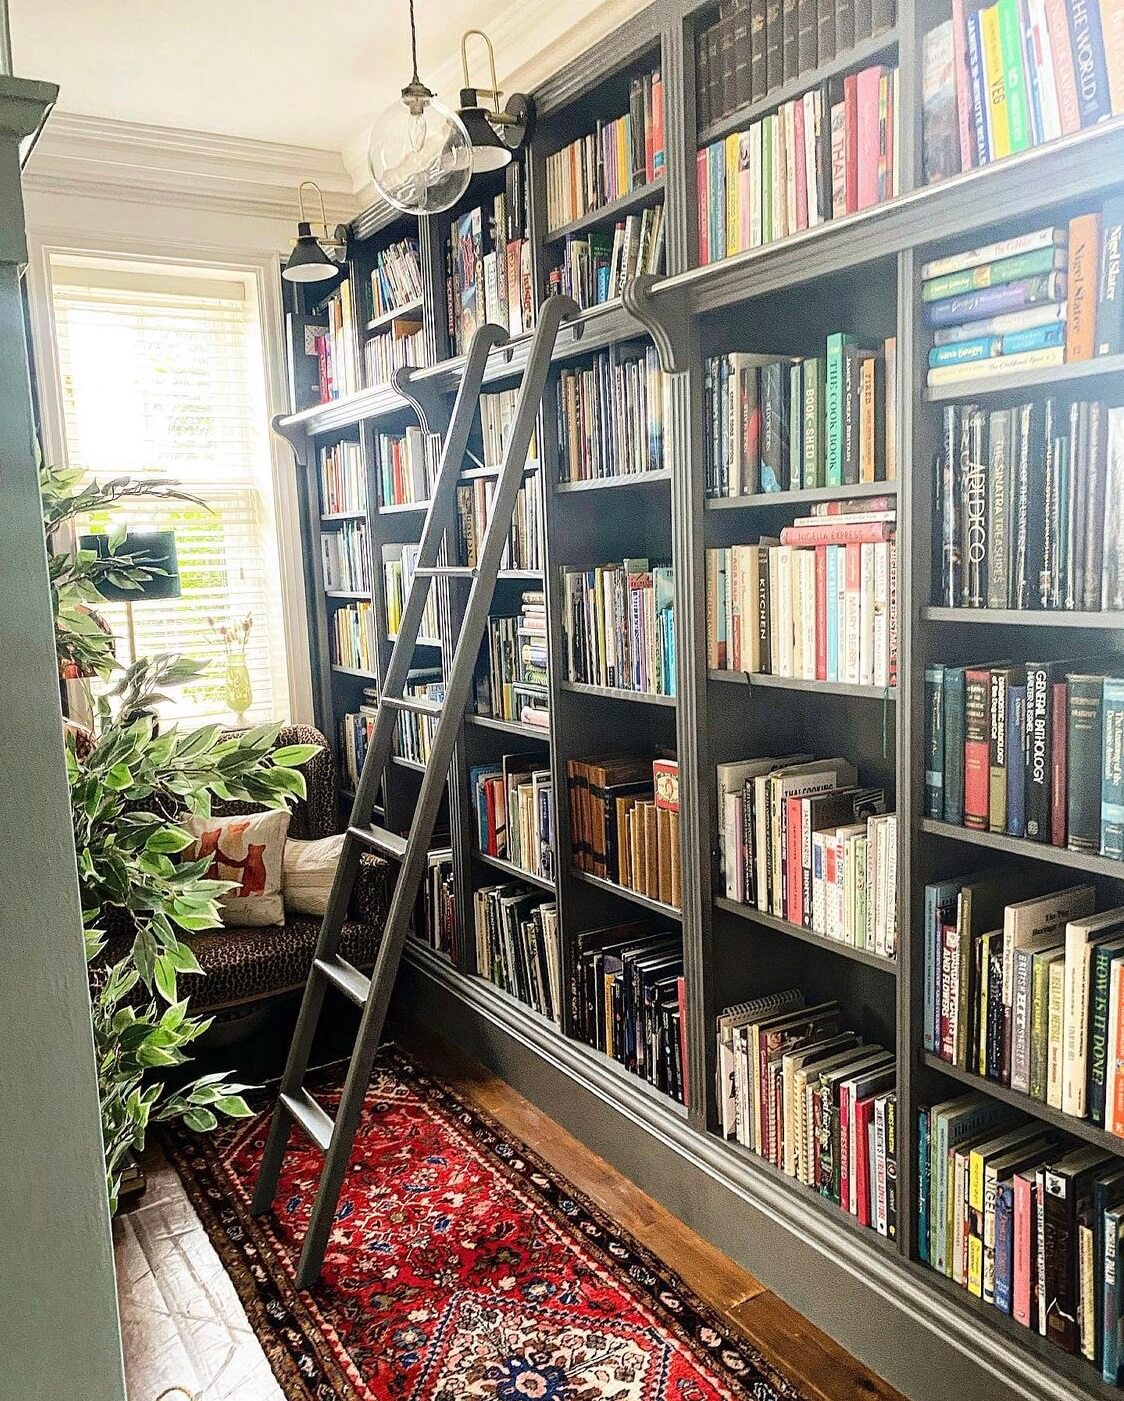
{"x":757,"y":46}
{"x":611,"y":416}
{"x":396,"y":277}
{"x":512,"y":681}
{"x":790,"y":424}
{"x":398,"y":565}
{"x":353,"y":637}
{"x":335,"y":347}
{"x":624,"y":823}
{"x":386,"y":351}
{"x":413,"y":734}
{"x":524,"y":547}
{"x":800,"y":1090}
{"x":489,"y":277}
{"x":618,"y":626}
{"x":438,"y":925}
{"x":517,"y":945}
{"x":799,"y":839}
{"x":513,"y":806}
{"x":612,"y":161}
{"x":629,"y":1000}
{"x":356,"y":729}
{"x":497,"y":412}
{"x":1001,"y":78}
{"x":1028,"y":749}
{"x":1027,"y":1222}
{"x":346,"y":559}
{"x":596,"y":266}
{"x":825,"y":154}
{"x":1030,"y":507}
{"x":817,"y":604}
{"x":343,"y":479}
{"x":407,"y":466}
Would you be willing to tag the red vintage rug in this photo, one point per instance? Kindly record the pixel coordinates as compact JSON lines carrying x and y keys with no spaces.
{"x":461,"y":1268}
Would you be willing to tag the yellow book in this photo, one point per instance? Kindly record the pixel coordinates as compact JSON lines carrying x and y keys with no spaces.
{"x":624,"y":158}
{"x":975,"y":1266}
{"x":732,"y":215}
{"x":996,"y":87}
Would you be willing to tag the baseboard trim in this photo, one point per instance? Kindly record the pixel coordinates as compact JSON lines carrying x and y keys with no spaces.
{"x":882,"y":1309}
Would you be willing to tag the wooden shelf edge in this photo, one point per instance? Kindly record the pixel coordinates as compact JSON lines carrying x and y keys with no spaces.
{"x":509,"y":868}
{"x":584,"y":688}
{"x":1022,"y":381}
{"x":509,"y":727}
{"x":619,"y":208}
{"x":614,"y":888}
{"x":794,"y":683}
{"x":805,"y":496}
{"x":807,"y":936}
{"x":1019,"y":846}
{"x":1025,"y":617}
{"x":626,"y":479}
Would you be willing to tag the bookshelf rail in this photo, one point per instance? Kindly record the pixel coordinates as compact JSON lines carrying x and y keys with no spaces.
{"x":887,"y":694}
{"x":1035,"y":851}
{"x":808,"y":936}
{"x":509,"y":727}
{"x":583,"y":688}
{"x":660,"y":477}
{"x":1110,"y":621}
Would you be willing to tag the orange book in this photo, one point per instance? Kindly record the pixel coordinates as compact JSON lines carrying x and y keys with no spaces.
{"x":1112,"y":29}
{"x":1081,"y":308}
{"x":1115,"y":1069}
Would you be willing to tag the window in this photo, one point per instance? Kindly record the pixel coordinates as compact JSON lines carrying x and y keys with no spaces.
{"x":162,"y":378}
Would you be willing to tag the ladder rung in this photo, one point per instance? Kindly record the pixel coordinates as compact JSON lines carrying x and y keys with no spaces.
{"x":380,"y":840}
{"x":347,"y":979}
{"x":416,"y":705}
{"x":446,"y":571}
{"x":315,"y":1120}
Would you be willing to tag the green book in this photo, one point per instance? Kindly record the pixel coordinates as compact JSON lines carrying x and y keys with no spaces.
{"x":1038,"y":263}
{"x":813,"y":474}
{"x":795,"y":437}
{"x":834,"y":406}
{"x":954,"y":707}
{"x":767,"y":125}
{"x":1014,"y":78}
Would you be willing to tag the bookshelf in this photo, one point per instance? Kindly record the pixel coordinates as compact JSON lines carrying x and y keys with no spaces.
{"x":859,"y":271}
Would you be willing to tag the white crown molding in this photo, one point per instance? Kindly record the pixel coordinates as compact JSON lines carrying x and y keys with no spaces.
{"x":101,"y":157}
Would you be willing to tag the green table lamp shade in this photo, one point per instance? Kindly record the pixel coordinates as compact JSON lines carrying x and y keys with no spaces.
{"x":158,"y":547}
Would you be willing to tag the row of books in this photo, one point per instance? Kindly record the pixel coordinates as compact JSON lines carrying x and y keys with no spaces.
{"x":335,"y":346}
{"x":394,"y":349}
{"x":345,"y":558}
{"x":800,"y":1090}
{"x":413,"y":734}
{"x":497,"y":413}
{"x":1001,"y":78}
{"x":512,"y":680}
{"x":756,"y":46}
{"x":343,"y":479}
{"x":825,"y":154}
{"x":799,"y":839}
{"x":398,"y":565}
{"x":438,"y":923}
{"x":356,"y":729}
{"x":517,"y":945}
{"x":624,"y":823}
{"x":781,"y":424}
{"x":819,"y":604}
{"x":596,"y":266}
{"x":352,"y":633}
{"x":611,"y":415}
{"x":1031,"y":507}
{"x":1026,"y":1222}
{"x":611,"y":161}
{"x":1028,"y":749}
{"x":513,"y":807}
{"x":629,"y":1001}
{"x":524,"y":547}
{"x":618,"y":626}
{"x":489,"y":275}
{"x":396,"y":277}
{"x":407,"y":466}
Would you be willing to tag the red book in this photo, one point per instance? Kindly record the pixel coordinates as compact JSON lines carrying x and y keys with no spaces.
{"x":868,"y":144}
{"x":657,"y":124}
{"x":1069,"y":108}
{"x":1059,"y":712}
{"x":702,"y":176}
{"x":977,"y":748}
{"x":892,"y":667}
{"x":851,"y":507}
{"x":649,"y":133}
{"x":794,"y":873}
{"x":681,"y":998}
{"x":800,"y":176}
{"x":851,"y":142}
{"x":963,"y":86}
{"x":1022,"y":1294}
{"x":846,"y":1128}
{"x":821,"y":612}
{"x":864,"y":1117}
{"x":856,"y":533}
{"x":949,"y":962}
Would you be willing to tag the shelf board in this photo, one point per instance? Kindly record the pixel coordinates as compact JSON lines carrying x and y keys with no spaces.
{"x":471,"y":473}
{"x":808,"y":936}
{"x":1025,"y":617}
{"x":526,"y":574}
{"x":353,"y":671}
{"x":658,"y":906}
{"x":1019,"y":846}
{"x":1022,"y":381}
{"x":510,"y":869}
{"x":422,"y":640}
{"x":407,"y":310}
{"x":858,"y":56}
{"x":508,"y":727}
{"x":583,"y":688}
{"x":397,"y":508}
{"x":616,"y":209}
{"x":335,"y":517}
{"x":1035,"y":1108}
{"x":794,"y":683}
{"x":766,"y":500}
{"x":361,"y":595}
{"x":415,"y":765}
{"x":628,"y":479}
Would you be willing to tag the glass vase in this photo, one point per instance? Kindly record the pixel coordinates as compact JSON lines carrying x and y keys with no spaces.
{"x":239,"y":692}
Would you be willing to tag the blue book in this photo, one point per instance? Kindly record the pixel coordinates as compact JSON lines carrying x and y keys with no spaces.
{"x":1111,"y":1343}
{"x":988,"y":347}
{"x":1004,"y":1244}
{"x":1112,"y":771}
{"x":923,"y":1185}
{"x":979,"y":89}
{"x":1034,"y":95}
{"x":1016,"y":761}
{"x":716,"y":157}
{"x":834,"y":560}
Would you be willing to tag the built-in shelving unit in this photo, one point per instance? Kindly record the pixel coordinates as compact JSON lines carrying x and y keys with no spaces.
{"x":860,"y":272}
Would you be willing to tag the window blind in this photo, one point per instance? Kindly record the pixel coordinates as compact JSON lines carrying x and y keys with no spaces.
{"x":162,"y":378}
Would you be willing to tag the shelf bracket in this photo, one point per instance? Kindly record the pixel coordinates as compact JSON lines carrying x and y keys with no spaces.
{"x":429,"y":403}
{"x":294,"y":435}
{"x":666,"y":321}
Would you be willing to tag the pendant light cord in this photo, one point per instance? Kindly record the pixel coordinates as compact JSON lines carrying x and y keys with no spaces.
{"x":414,"y":43}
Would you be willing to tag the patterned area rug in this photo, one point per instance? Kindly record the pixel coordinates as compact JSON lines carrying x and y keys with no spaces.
{"x":461,"y":1268}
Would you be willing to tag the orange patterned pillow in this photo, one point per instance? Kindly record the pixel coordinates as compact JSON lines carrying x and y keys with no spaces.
{"x":247,"y":849}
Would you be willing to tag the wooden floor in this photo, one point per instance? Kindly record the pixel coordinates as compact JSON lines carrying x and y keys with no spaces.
{"x":183,"y":1324}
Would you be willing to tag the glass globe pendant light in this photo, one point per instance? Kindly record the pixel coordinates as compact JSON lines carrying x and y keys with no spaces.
{"x":420,"y":155}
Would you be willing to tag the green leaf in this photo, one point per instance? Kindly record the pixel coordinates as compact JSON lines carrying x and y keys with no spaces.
{"x":201,"y":1120}
{"x":234,"y":1107}
{"x":169,"y":840}
{"x":292,"y":756}
{"x":165,"y":975}
{"x":118,"y":778}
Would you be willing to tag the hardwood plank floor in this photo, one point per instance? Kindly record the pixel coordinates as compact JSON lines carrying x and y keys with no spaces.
{"x":183,"y":1324}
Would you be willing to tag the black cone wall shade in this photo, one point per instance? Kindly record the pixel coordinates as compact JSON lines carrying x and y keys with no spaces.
{"x":308,"y":262}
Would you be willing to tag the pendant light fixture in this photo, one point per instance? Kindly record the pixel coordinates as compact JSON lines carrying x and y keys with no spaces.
{"x":492,"y":149}
{"x":308,"y":262}
{"x":419,"y":153}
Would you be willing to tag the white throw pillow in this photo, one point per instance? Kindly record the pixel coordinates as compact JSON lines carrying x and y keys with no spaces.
{"x":249,"y":850}
{"x":307,"y":872}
